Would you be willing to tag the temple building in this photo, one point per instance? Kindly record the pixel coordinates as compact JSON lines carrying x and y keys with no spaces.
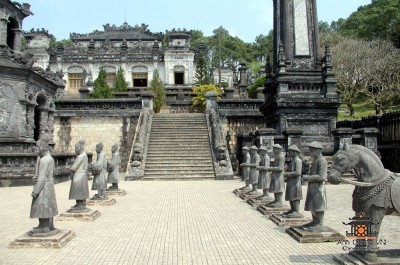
{"x":135,"y":49}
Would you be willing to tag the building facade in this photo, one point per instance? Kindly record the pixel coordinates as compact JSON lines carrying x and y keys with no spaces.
{"x":134,"y":49}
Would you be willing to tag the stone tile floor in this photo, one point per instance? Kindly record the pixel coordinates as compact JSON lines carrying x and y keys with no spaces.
{"x":176,"y":222}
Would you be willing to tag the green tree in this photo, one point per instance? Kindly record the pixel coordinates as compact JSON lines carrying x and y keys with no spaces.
{"x":199,"y":101}
{"x":100,"y":86}
{"x":202,"y":73}
{"x":120,"y":83}
{"x":252,"y":89}
{"x":158,"y":89}
{"x":380,"y":19}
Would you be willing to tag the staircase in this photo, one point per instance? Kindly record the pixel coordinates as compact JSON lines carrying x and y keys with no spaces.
{"x":179,"y":148}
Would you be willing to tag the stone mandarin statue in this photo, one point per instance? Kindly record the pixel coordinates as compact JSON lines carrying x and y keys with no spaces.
{"x":254,"y":174}
{"x":245,"y":167}
{"x":293,"y":183}
{"x":79,"y":190}
{"x":277,"y":182}
{"x":316,"y":194}
{"x":44,"y":204}
{"x":264,"y":179}
{"x":99,"y":170}
{"x":113,"y":168}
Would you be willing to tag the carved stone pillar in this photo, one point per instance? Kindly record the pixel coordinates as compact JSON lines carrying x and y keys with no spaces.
{"x":3,"y":28}
{"x":342,"y":136}
{"x":17,"y":39}
{"x":211,"y":101}
{"x":30,"y":120}
{"x":50,"y":124}
{"x":229,"y":93}
{"x":369,"y":138}
{"x":266,"y":138}
{"x":147,"y":100}
{"x":44,"y":118}
{"x":293,"y":136}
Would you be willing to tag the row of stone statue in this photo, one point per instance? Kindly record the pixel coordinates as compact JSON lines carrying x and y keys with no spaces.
{"x":260,"y":174}
{"x":44,"y":204}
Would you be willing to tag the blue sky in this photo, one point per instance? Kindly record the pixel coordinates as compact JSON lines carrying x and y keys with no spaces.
{"x":243,"y":18}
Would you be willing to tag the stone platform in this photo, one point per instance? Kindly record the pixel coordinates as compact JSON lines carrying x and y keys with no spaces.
{"x":98,"y":202}
{"x":239,"y":191}
{"x":114,"y":192}
{"x":55,"y":241}
{"x":323,"y":234}
{"x":265,"y":210}
{"x":281,"y":220}
{"x":255,"y":202}
{"x":88,"y":216}
{"x":385,"y":257}
{"x":246,"y":197}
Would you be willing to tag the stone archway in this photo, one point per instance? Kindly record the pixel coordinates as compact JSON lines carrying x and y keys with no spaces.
{"x":12,"y":26}
{"x":40,"y":117}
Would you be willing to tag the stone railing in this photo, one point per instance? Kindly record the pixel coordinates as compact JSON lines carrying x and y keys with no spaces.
{"x":222,"y":163}
{"x":239,"y":107}
{"x":137,"y":158}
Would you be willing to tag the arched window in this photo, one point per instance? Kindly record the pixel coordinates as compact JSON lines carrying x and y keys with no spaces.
{"x":179,"y":74}
{"x":139,"y":76}
{"x":11,"y":27}
{"x":75,"y":79}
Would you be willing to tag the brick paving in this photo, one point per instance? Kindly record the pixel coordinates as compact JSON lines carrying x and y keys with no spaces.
{"x":176,"y":222}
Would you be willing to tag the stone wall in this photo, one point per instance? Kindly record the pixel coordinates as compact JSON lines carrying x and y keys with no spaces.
{"x":108,"y":130}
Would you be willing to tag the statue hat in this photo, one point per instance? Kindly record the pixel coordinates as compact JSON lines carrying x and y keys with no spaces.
{"x":316,"y":145}
{"x":277,"y":146}
{"x":294,"y":148}
{"x":263,"y":148}
{"x":254,"y":147}
{"x":245,"y":148}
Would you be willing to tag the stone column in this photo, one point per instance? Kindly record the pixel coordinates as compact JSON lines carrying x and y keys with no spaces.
{"x":50,"y":124}
{"x":147,"y":100}
{"x":30,"y":120}
{"x":211,"y":101}
{"x":44,"y":118}
{"x":369,"y":138}
{"x":342,"y":136}
{"x":293,"y":136}
{"x":229,"y":92}
{"x":17,"y":39}
{"x":3,"y":28}
{"x":266,"y":138}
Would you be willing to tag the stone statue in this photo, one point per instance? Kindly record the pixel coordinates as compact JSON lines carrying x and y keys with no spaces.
{"x":316,"y":193}
{"x":99,"y":173}
{"x":376,"y":191}
{"x":254,"y":174}
{"x":79,"y":190}
{"x":293,"y":183}
{"x":245,"y":167}
{"x":113,"y":168}
{"x":277,"y":185}
{"x":44,"y":204}
{"x":264,"y":179}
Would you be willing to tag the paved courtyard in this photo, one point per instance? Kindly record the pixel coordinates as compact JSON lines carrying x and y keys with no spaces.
{"x":176,"y":222}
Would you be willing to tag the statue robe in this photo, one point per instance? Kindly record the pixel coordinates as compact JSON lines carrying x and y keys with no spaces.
{"x":316,"y":194}
{"x":79,"y":184}
{"x":100,"y":173}
{"x":293,"y":180}
{"x":113,"y":168}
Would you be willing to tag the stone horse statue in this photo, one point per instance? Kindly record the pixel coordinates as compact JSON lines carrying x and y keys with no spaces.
{"x":376,"y":192}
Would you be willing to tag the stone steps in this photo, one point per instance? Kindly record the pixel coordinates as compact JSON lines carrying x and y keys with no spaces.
{"x":179,"y":148}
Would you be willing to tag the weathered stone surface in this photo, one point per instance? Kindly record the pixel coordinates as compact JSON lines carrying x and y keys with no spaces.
{"x":56,"y":241}
{"x":89,"y":216}
{"x":281,"y":220}
{"x":323,"y":234}
{"x":387,"y":256}
{"x":255,"y":202}
{"x":114,"y":192}
{"x":246,"y":196}
{"x":96,"y":202}
{"x":265,"y":210}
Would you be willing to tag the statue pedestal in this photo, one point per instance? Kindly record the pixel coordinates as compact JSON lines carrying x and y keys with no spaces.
{"x":98,"y":202}
{"x":240,"y":191}
{"x":88,"y":216}
{"x":282,"y":220}
{"x":265,"y":210}
{"x":388,"y":256}
{"x":115,"y":192}
{"x":255,"y":202}
{"x":323,"y":234}
{"x":55,"y":241}
{"x":246,"y":197}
